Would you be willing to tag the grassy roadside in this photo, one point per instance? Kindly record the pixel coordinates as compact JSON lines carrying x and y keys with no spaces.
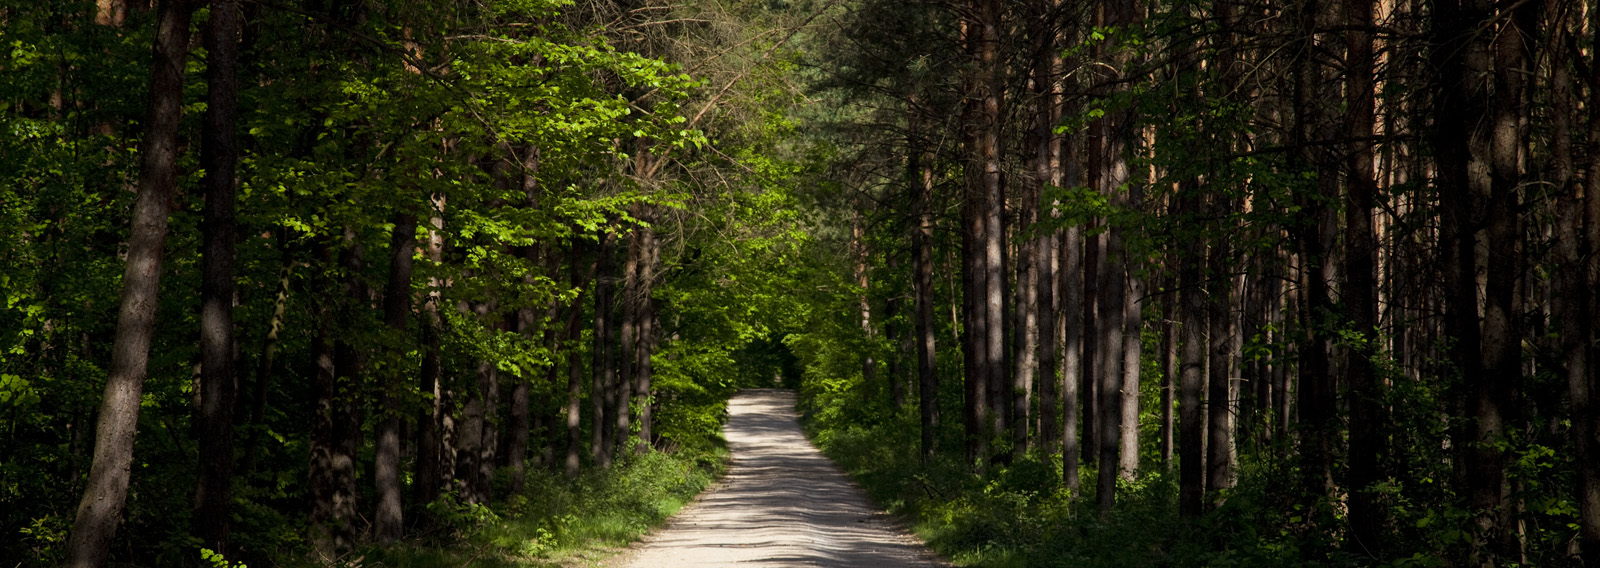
{"x":1015,"y":515}
{"x":559,"y":521}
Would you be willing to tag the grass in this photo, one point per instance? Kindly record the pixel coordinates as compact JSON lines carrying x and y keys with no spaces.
{"x":557,"y":521}
{"x":1016,"y":515}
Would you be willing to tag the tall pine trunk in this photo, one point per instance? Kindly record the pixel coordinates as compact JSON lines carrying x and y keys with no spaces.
{"x":219,"y":156}
{"x":649,"y":259}
{"x":1367,"y":424}
{"x":1192,"y":377}
{"x":100,"y":510}
{"x":600,"y":368}
{"x":1582,"y":379}
{"x":921,"y":177}
{"x":387,"y":523}
{"x":430,"y":467}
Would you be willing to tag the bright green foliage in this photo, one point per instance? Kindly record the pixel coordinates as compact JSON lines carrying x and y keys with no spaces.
{"x":560,"y":520}
{"x":519,"y":124}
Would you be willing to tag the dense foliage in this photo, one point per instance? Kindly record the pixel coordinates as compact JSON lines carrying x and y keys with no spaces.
{"x":1126,"y":282}
{"x":1274,"y":283}
{"x":431,"y":198}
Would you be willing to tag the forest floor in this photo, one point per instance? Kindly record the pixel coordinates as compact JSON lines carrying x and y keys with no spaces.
{"x":782,"y":503}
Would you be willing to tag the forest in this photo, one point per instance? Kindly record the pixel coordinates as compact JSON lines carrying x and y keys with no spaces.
{"x":1100,"y":283}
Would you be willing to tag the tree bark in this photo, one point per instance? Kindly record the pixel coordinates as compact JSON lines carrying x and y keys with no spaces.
{"x":1219,"y":446}
{"x":580,"y":282}
{"x":336,"y":430}
{"x":1192,"y":379}
{"x":1316,"y":394}
{"x":1496,"y":397}
{"x":858,"y":251}
{"x":1367,"y":423}
{"x":990,"y":186}
{"x":388,"y":520}
{"x":100,"y":510}
{"x":219,"y":156}
{"x":603,"y":412}
{"x":1169,"y":371}
{"x":627,"y":353}
{"x":650,"y":257}
{"x":893,"y":335}
{"x":430,"y":448}
{"x":269,"y":355}
{"x":332,"y":501}
{"x":1582,"y":379}
{"x":974,"y":250}
{"x":921,"y":174}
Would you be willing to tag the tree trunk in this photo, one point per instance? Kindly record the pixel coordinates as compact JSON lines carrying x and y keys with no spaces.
{"x":627,"y":353}
{"x":990,"y":95}
{"x":1316,"y":394}
{"x":1132,"y":350}
{"x":219,"y":156}
{"x":1192,"y":379}
{"x":603,"y":412}
{"x":430,"y":448}
{"x":1093,"y":338}
{"x":1169,"y":371}
{"x":1219,"y":446}
{"x":1582,"y":377}
{"x":1070,"y":281}
{"x":974,"y":249}
{"x":1367,"y":423}
{"x":858,"y":251}
{"x":921,"y":174}
{"x":388,"y":521}
{"x":650,"y":257}
{"x":269,"y":355}
{"x":893,"y":335}
{"x":100,"y":510}
{"x":337,"y":428}
{"x":579,"y":282}
{"x":332,"y":497}
{"x":1112,"y":326}
{"x":1495,"y":405}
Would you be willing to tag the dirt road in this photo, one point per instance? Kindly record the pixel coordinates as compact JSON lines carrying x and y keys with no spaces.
{"x":781,"y":504}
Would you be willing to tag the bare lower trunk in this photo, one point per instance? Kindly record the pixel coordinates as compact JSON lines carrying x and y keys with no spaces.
{"x":332,"y":471}
{"x":219,"y":155}
{"x":1169,"y":372}
{"x":1367,"y":427}
{"x":1132,"y":349}
{"x":1219,"y":446}
{"x":1192,"y":376}
{"x":602,"y":412}
{"x":922,"y":287}
{"x":1586,"y":420}
{"x":387,"y":522}
{"x":627,"y":353}
{"x":650,"y":257}
{"x":269,"y":355}
{"x":430,"y":447}
{"x":336,"y":431}
{"x":100,"y":510}
{"x":858,"y":249}
{"x":580,"y":282}
{"x":1071,"y":285}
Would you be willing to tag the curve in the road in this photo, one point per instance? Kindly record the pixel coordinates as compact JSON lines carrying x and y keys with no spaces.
{"x":782,"y":503}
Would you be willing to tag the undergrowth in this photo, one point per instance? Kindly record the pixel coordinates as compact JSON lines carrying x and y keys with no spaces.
{"x":557,"y":521}
{"x":1016,"y":515}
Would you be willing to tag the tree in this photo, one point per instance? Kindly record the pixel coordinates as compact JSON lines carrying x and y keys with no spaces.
{"x":100,"y":509}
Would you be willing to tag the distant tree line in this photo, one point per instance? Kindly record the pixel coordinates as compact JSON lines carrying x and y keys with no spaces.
{"x":1351,"y":243}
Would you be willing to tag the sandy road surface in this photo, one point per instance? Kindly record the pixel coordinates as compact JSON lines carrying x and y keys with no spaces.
{"x":781,"y":504}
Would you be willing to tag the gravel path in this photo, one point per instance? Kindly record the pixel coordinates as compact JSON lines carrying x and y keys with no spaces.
{"x":781,"y":504}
